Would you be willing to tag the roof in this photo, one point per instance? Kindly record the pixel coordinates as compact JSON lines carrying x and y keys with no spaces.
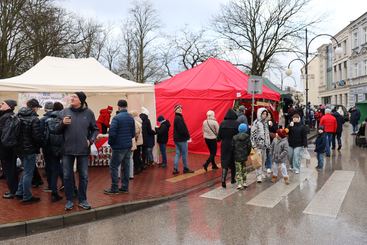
{"x":53,"y":74}
{"x":212,"y":79}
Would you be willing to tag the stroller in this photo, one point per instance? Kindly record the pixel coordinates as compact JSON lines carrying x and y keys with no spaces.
{"x":361,"y":137}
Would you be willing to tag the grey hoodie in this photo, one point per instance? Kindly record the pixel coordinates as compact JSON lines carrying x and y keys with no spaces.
{"x":279,"y":150}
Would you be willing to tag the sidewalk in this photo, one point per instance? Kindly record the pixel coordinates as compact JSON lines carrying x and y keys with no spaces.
{"x":153,"y":186}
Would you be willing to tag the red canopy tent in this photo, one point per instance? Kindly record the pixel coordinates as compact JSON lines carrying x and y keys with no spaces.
{"x":212,"y":85}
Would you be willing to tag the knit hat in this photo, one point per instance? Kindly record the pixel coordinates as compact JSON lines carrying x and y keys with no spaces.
{"x":49,"y":106}
{"x":243,"y":128}
{"x":144,"y":111}
{"x":11,"y":103}
{"x":121,"y":103}
{"x":160,"y":118}
{"x":33,"y":103}
{"x":58,"y":106}
{"x":242,"y":108}
{"x":109,"y":108}
{"x":210,"y":114}
{"x":282,"y":133}
{"x":82,"y":97}
{"x":177,"y":107}
{"x":327,"y":111}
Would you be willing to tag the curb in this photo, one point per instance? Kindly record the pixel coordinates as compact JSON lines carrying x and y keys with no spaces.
{"x":26,"y":228}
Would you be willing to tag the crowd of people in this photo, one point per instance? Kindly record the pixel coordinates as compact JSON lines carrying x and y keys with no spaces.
{"x":65,"y":136}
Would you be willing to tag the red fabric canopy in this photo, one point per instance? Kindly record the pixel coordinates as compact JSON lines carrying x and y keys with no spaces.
{"x":212,"y":85}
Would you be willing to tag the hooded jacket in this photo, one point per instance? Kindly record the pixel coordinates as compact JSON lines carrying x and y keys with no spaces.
{"x":148,"y":132}
{"x":162,"y":132}
{"x":279,"y":150}
{"x":227,"y":129}
{"x":241,"y":147}
{"x":320,"y":143}
{"x":210,"y":128}
{"x":82,"y":129}
{"x":32,"y":135}
{"x":180,"y":131}
{"x":103,"y":119}
{"x":260,"y":136}
{"x":5,"y":152}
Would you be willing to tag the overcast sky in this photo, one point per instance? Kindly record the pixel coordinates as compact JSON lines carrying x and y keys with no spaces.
{"x":175,"y":14}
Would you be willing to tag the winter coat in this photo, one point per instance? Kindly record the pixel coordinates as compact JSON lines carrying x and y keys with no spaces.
{"x":82,"y":129}
{"x":227,"y":129}
{"x":260,"y":136}
{"x":5,"y":152}
{"x":43,"y":120}
{"x":162,"y":132}
{"x":355,"y":115}
{"x":329,"y":123}
{"x":180,"y":131}
{"x":122,"y":131}
{"x":210,"y":129}
{"x":148,"y":132}
{"x":272,"y":130}
{"x":54,"y":142}
{"x":279,"y":150}
{"x":339,"y":122}
{"x":297,"y":136}
{"x":241,"y":147}
{"x":320,"y":143}
{"x":138,"y":131}
{"x":32,"y":135}
{"x":103,"y":118}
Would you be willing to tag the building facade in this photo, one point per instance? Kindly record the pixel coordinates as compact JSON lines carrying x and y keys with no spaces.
{"x":314,"y":80}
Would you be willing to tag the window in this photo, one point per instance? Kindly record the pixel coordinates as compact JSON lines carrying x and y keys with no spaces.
{"x":356,"y":70}
{"x":356,"y":98}
{"x":365,"y":35}
{"x":365,"y":67}
{"x":345,"y":47}
{"x":355,"y":39}
{"x":365,"y":96}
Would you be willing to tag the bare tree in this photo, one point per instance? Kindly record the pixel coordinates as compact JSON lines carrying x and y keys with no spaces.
{"x":111,"y":53}
{"x":262,"y":28}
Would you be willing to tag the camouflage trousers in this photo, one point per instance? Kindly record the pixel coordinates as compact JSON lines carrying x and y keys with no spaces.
{"x":240,"y":173}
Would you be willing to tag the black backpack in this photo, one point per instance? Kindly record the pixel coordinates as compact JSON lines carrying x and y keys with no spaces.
{"x":53,"y":139}
{"x":11,"y":132}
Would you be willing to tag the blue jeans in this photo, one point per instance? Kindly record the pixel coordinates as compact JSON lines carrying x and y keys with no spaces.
{"x":162,"y":148}
{"x":320,"y":160}
{"x":118,"y":157}
{"x":329,"y":138}
{"x":82,"y":166}
{"x":268,"y":159}
{"x":295,"y":157}
{"x":181,"y":150}
{"x":25,"y":183}
{"x":355,"y":127}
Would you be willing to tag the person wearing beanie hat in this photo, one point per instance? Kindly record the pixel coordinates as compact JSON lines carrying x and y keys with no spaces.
{"x":104,"y":118}
{"x":8,"y":154}
{"x":242,"y":118}
{"x":80,"y":132}
{"x":144,"y":111}
{"x":148,"y":138}
{"x":210,"y":133}
{"x":330,"y":124}
{"x":162,"y":138}
{"x":181,"y":136}
{"x":320,"y":147}
{"x":297,"y":139}
{"x":49,"y":105}
{"x":279,"y":153}
{"x":241,"y":149}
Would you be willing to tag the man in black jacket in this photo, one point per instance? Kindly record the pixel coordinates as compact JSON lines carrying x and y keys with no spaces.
{"x":80,"y":131}
{"x":181,"y":137}
{"x":30,"y":143}
{"x":339,"y":129}
{"x":7,"y":154}
{"x":162,"y":138}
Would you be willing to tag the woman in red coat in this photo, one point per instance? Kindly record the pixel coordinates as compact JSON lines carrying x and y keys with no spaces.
{"x":103,"y":122}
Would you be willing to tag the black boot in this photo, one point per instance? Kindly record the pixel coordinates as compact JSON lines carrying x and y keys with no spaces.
{"x":224,"y":177}
{"x":214,"y":166}
{"x":205,"y":166}
{"x":233,"y":175}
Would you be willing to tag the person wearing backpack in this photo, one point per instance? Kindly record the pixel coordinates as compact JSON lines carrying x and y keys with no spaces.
{"x":52,"y":149}
{"x":80,"y":130}
{"x":31,"y":139}
{"x":7,"y":154}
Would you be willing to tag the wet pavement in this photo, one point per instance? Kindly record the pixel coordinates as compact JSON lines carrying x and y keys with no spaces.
{"x":200,"y":220}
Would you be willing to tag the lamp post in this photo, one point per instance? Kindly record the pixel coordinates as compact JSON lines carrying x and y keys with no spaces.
{"x":338,"y":50}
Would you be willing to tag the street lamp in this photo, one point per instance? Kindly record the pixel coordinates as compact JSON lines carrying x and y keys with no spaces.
{"x":338,"y":51}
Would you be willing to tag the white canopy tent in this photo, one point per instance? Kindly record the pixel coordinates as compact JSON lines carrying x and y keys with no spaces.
{"x":103,"y":87}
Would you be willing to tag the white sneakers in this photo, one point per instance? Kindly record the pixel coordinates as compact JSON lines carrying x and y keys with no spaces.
{"x":268,"y":171}
{"x":239,"y":187}
{"x":296,"y":171}
{"x":259,"y":179}
{"x":245,"y":185}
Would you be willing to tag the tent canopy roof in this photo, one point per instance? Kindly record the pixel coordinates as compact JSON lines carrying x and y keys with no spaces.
{"x":212,"y":79}
{"x":53,"y":74}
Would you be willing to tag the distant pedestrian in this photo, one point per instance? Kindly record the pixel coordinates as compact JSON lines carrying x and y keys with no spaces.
{"x":339,"y":129}
{"x":121,"y":133}
{"x":80,"y":131}
{"x":329,"y":123}
{"x":148,"y":138}
{"x":138,"y":162}
{"x":103,"y":121}
{"x":162,"y":138}
{"x":181,"y":136}
{"x":241,"y":149}
{"x":279,"y":152}
{"x":355,"y":116}
{"x":320,"y":147}
{"x":210,"y":133}
{"x":227,"y":129}
{"x":242,"y":118}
